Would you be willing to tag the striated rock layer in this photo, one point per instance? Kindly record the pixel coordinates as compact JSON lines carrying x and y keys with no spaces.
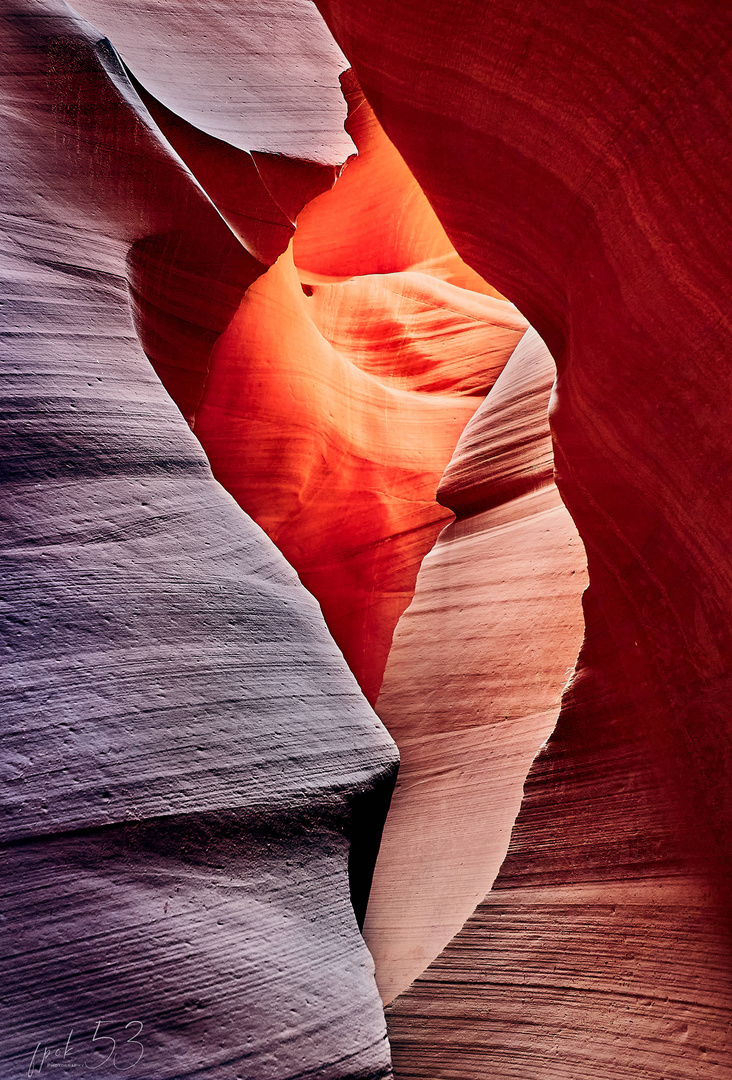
{"x":473,"y":681}
{"x":330,"y":418}
{"x":331,"y":402}
{"x":579,"y":158}
{"x":189,"y":767}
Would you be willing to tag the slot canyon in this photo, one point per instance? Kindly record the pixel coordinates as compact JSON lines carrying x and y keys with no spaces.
{"x":367,"y":596}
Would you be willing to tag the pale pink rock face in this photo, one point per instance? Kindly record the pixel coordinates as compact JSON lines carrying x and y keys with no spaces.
{"x":258,"y":76}
{"x":475,"y":674}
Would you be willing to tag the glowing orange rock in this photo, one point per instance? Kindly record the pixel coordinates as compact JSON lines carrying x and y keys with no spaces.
{"x":377,"y":219}
{"x":335,"y":397}
{"x":337,"y":450}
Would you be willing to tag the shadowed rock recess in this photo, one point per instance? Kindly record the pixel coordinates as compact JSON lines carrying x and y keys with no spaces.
{"x":274,"y":452}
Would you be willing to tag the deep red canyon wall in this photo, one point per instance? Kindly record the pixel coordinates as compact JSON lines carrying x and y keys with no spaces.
{"x":579,"y":158}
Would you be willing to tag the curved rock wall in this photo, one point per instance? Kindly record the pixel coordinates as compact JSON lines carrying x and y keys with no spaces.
{"x":330,"y":403}
{"x":474,"y":677}
{"x":579,"y":159}
{"x":186,"y":756}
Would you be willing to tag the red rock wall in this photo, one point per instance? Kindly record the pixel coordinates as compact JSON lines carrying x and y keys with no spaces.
{"x":579,"y":158}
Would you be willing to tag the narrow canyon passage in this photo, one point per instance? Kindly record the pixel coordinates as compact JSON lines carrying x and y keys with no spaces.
{"x":286,"y":457}
{"x":330,"y":407}
{"x":331,"y":403}
{"x":191,"y":773}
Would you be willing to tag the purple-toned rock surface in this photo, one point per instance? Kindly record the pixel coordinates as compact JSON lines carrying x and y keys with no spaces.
{"x":186,"y":757}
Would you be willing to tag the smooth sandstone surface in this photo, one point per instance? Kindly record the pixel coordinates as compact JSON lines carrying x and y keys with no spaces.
{"x":331,"y":403}
{"x":189,"y":768}
{"x":599,"y":951}
{"x":258,"y":76}
{"x":330,"y":418}
{"x":579,"y":158}
{"x":475,"y":674}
